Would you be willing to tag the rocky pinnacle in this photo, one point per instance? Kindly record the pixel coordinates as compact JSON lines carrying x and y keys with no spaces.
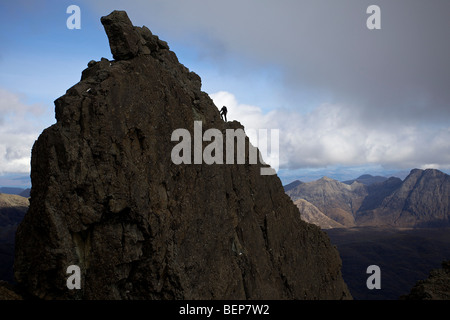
{"x":107,"y":197}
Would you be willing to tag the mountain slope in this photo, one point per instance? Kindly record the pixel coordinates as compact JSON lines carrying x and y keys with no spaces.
{"x":377,"y":192}
{"x":421,"y":200}
{"x":310,"y":214}
{"x":107,"y":196}
{"x":335,"y":199}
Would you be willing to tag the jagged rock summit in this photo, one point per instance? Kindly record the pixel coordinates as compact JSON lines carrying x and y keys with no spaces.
{"x":107,"y":197}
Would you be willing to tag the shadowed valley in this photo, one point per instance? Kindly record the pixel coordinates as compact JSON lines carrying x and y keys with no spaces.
{"x":401,"y":226}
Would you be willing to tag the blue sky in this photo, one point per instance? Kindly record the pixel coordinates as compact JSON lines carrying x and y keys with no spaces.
{"x":347,"y":100}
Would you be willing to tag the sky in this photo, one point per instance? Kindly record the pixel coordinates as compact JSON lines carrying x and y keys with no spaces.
{"x":346,"y":99}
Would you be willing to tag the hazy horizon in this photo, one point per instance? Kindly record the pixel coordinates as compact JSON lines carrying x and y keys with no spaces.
{"x":23,"y":181}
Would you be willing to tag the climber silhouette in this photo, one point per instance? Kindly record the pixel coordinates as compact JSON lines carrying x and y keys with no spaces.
{"x":223,"y":113}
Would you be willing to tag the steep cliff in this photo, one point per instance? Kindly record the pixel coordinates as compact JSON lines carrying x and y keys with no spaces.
{"x":106,"y":196}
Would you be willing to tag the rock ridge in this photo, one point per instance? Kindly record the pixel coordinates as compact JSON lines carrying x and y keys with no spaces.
{"x":107,"y":197}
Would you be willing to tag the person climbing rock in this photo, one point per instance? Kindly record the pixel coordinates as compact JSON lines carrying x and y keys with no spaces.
{"x":223,"y":113}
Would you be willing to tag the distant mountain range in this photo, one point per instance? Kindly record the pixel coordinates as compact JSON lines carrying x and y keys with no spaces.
{"x":17,"y":191}
{"x":421,"y":200}
{"x":384,"y":221}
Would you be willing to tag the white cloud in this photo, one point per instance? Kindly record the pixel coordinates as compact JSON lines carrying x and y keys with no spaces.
{"x":252,"y":116}
{"x":385,"y":91}
{"x":332,"y":134}
{"x":18,"y":131}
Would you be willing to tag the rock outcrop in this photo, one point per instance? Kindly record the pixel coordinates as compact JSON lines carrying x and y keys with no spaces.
{"x":435,"y":287}
{"x":292,"y":185}
{"x":7,"y":292}
{"x":107,"y":197}
{"x":337,"y":200}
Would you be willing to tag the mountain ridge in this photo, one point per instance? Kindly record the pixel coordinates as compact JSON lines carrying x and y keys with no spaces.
{"x":420,"y":200}
{"x":337,"y":200}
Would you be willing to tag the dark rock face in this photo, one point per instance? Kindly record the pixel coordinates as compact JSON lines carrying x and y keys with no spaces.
{"x":107,"y":197}
{"x":123,"y":39}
